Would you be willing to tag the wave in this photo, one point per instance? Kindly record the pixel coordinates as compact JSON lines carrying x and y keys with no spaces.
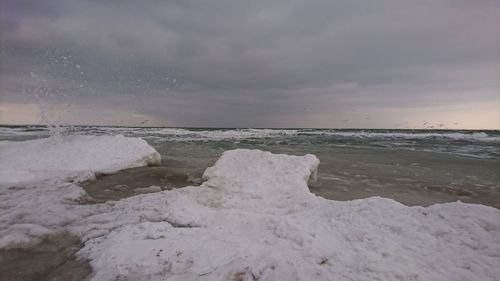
{"x":481,"y":136}
{"x":240,"y":134}
{"x":483,"y":144}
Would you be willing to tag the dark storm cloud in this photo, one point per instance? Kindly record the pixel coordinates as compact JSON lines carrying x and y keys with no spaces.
{"x":243,"y":63}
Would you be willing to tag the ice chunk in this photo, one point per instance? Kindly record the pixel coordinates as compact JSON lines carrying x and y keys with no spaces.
{"x":256,"y":171}
{"x":71,"y":158}
{"x":150,"y":189}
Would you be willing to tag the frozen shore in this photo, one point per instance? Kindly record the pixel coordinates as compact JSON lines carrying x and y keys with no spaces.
{"x":72,"y":158}
{"x":252,"y":219}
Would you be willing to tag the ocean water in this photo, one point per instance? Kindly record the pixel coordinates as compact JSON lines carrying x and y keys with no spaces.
{"x":414,"y":167}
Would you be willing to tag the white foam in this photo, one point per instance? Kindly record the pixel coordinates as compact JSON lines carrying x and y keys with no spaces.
{"x":186,"y":134}
{"x":240,"y":134}
{"x":72,"y":158}
{"x":224,"y":134}
{"x":477,"y":136}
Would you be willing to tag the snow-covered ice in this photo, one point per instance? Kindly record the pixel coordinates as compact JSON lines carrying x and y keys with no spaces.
{"x":73,"y":158}
{"x":254,"y":219}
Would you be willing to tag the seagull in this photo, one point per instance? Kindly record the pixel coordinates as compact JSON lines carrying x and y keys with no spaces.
{"x":144,"y":122}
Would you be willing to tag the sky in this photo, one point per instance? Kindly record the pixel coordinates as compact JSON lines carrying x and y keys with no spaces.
{"x":272,"y":63}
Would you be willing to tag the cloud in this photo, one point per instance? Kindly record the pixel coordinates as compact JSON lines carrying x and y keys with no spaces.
{"x":205,"y":63}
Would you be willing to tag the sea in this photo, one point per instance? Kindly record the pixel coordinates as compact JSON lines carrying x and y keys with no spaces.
{"x":414,"y":167}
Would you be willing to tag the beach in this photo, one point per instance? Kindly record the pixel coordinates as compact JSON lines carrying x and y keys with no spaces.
{"x":111,"y":203}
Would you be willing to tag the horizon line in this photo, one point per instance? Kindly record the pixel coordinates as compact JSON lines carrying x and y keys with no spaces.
{"x":259,"y":128}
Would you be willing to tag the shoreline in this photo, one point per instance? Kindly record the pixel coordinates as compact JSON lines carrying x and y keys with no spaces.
{"x":252,"y":216}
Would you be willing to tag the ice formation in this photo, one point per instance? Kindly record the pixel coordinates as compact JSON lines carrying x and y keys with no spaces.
{"x":255,"y":219}
{"x":74,"y":158}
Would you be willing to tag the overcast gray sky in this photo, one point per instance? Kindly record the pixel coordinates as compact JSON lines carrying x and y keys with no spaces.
{"x":226,"y":63}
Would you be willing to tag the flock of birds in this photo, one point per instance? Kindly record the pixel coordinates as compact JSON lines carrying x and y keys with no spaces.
{"x":405,"y":125}
{"x":424,"y":125}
